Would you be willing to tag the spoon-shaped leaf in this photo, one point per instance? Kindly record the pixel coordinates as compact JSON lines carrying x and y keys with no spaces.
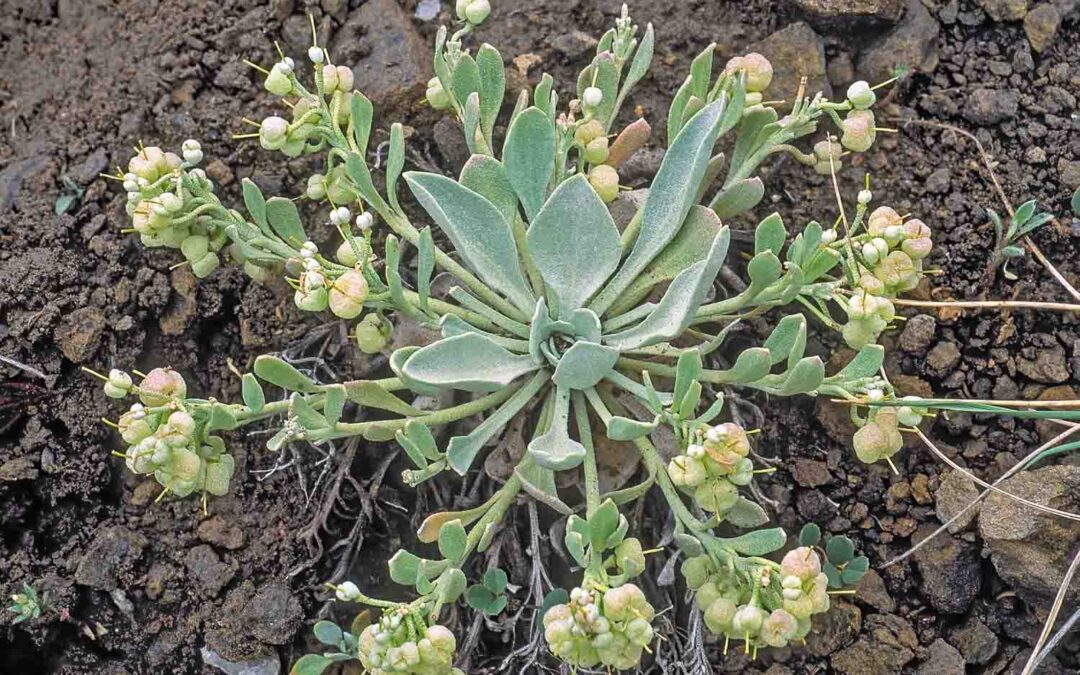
{"x":469,"y":362}
{"x":584,"y":364}
{"x":574,"y":243}
{"x":529,"y":156}
{"x":555,"y":450}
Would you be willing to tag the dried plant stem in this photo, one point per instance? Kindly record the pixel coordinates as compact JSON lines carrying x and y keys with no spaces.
{"x":1055,"y":609}
{"x":989,"y":304}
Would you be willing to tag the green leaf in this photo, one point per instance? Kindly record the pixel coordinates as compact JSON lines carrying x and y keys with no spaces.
{"x":1024,"y":212}
{"x":1034,"y":223}
{"x":425,"y":265}
{"x":840,"y":550}
{"x":252,"y":393}
{"x":1013,"y":252}
{"x":284,"y":218}
{"x":395,"y":162}
{"x":639,"y":65}
{"x":584,"y":364}
{"x":833,"y":574}
{"x":555,"y":449}
{"x":422,"y":438}
{"x":770,"y":234}
{"x":689,"y":246}
{"x":1075,"y":203}
{"x":750,"y":366}
{"x":495,"y":580}
{"x":529,"y":156}
{"x":687,"y":370}
{"x":539,"y":483}
{"x":758,"y":543}
{"x":452,"y":583}
{"x":411,"y":450}
{"x":221,"y":417}
{"x":739,"y":198}
{"x":478,"y":231}
{"x":465,"y":79}
{"x":688,"y":544}
{"x":804,"y":378}
{"x":255,"y":203}
{"x":683,"y":297}
{"x":492,"y":87}
{"x":469,"y":362}
{"x":542,"y":100}
{"x":603,"y":522}
{"x":310,"y":664}
{"x":866,"y":363}
{"x":487,"y":176}
{"x":370,"y":394}
{"x":480,"y":598}
{"x":677,"y":107}
{"x":746,"y":514}
{"x":809,"y":535}
{"x":452,"y":538}
{"x":673,"y":193}
{"x":688,"y":404}
{"x":360,"y":114}
{"x":275,"y":371}
{"x":763,"y":269}
{"x":328,"y":633}
{"x":361,"y":176}
{"x":558,"y":596}
{"x":751,"y":126}
{"x":334,"y":403}
{"x":575,"y":546}
{"x":855,"y":570}
{"x":404,"y":567}
{"x":470,"y":120}
{"x":574,"y":243}
{"x":626,"y":429}
{"x":603,"y":75}
{"x":787,"y":340}
{"x":398,"y":360}
{"x":305,"y":415}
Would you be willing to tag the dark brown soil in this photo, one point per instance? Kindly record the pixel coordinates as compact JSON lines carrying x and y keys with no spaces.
{"x":136,"y":586}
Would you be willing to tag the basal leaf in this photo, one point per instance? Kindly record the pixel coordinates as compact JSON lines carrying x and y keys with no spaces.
{"x":584,"y":364}
{"x":284,"y":219}
{"x":360,"y":114}
{"x":478,"y":231}
{"x":328,"y":633}
{"x":492,"y":87}
{"x":487,"y":176}
{"x":275,"y":371}
{"x":529,"y":156}
{"x":750,"y":366}
{"x":574,"y":243}
{"x":759,"y":543}
{"x":469,"y":362}
{"x":786,"y":337}
{"x":770,"y":234}
{"x":555,"y":449}
{"x":466,"y":79}
{"x":739,"y":198}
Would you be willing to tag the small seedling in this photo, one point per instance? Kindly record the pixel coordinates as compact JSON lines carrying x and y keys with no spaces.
{"x":27,"y":604}
{"x":1007,"y":238}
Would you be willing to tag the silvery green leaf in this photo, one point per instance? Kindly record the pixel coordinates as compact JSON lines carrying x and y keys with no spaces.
{"x":806,"y":243}
{"x":1013,"y":252}
{"x":304,"y":414}
{"x":820,"y":264}
{"x":395,"y":162}
{"x":602,"y":74}
{"x":675,"y":311}
{"x":419,"y":460}
{"x":221,"y":417}
{"x":284,"y":219}
{"x":471,"y":122}
{"x":787,"y":339}
{"x":397,"y":364}
{"x":575,"y":546}
{"x":540,"y":484}
{"x":492,"y":87}
{"x":687,"y":369}
{"x":1075,"y":203}
{"x":487,"y":176}
{"x":452,"y":538}
{"x":739,"y":198}
{"x":763,"y":269}
{"x":478,"y":231}
{"x":806,"y":376}
{"x":626,"y":429}
{"x":770,"y":234}
{"x":425,"y":265}
{"x":419,"y":434}
{"x":404,"y":567}
{"x":361,"y":176}
{"x":555,"y":449}
{"x":371,"y":394}
{"x":255,"y":203}
{"x":466,"y":79}
{"x":671,"y":196}
{"x":750,"y":366}
{"x":529,"y":157}
{"x":451,"y":325}
{"x":252,"y":393}
{"x":539,"y":329}
{"x":678,"y":105}
{"x":584,"y":364}
{"x":574,"y":243}
{"x":746,"y":514}
{"x":688,"y":404}
{"x":334,"y":403}
{"x":640,"y":63}
{"x":689,"y":246}
{"x":586,"y":325}
{"x":688,"y":544}
{"x":463,"y":449}
{"x":794,"y":280}
{"x":452,"y":583}
{"x":360,"y":114}
{"x":759,"y":543}
{"x":866,"y":363}
{"x":754,"y":121}
{"x":542,"y":100}
{"x":468,"y":362}
{"x":275,"y":371}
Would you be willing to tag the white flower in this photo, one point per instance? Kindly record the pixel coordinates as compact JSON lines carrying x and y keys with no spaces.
{"x":192,"y":152}
{"x":316,"y":54}
{"x":364,"y":221}
{"x":828,"y":237}
{"x":347,"y":592}
{"x":340,"y":215}
{"x":592,"y":97}
{"x":870,"y":253}
{"x":865,"y":196}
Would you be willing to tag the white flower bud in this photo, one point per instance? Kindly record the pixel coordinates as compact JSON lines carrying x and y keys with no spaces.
{"x":870,"y":253}
{"x":316,"y":54}
{"x":364,"y":221}
{"x":314,"y":279}
{"x":340,"y":215}
{"x":592,"y":97}
{"x":894,"y":233}
{"x":875,"y":395}
{"x":132,"y":187}
{"x":792,"y":593}
{"x":828,"y":236}
{"x":347,"y":592}
{"x":861,"y":95}
{"x":881,"y":245}
{"x":119,"y":379}
{"x":695,"y":451}
{"x":310,"y":263}
{"x":865,"y":196}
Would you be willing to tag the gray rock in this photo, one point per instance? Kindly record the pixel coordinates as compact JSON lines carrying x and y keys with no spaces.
{"x":943,"y":358}
{"x":80,"y":332}
{"x":954,"y":494}
{"x":835,"y":629}
{"x":234,"y":76}
{"x":842,"y":15}
{"x":626,"y":205}
{"x":1031,"y":550}
{"x":950,"y":572}
{"x":886,"y":646}
{"x":795,"y":52}
{"x":938,"y":182}
{"x":941,"y":659}
{"x":871,"y":591}
{"x":114,"y":552}
{"x":1005,"y":10}
{"x":450,"y":140}
{"x":207,"y":571}
{"x":918,"y":333}
{"x":912,"y":45}
{"x":574,"y":44}
{"x":253,"y":618}
{"x":269,"y":665}
{"x":991,"y":106}
{"x":1048,"y":365}
{"x":976,"y":642}
{"x":1069,"y":173}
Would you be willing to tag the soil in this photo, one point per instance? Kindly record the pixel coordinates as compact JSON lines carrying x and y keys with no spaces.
{"x":135,"y":585}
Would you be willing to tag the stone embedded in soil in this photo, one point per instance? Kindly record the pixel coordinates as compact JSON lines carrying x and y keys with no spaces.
{"x":918,"y":333}
{"x":943,"y":358}
{"x":1032,"y":550}
{"x":986,"y":106}
{"x":450,"y":140}
{"x":955,"y":492}
{"x":269,"y":665}
{"x":207,"y":572}
{"x":912,"y":45}
{"x":835,"y":629}
{"x":1044,"y":364}
{"x":1069,"y":173}
{"x":871,"y":591}
{"x":938,"y":181}
{"x":573,"y":44}
{"x":949,"y":570}
{"x":114,"y":553}
{"x":391,"y":60}
{"x":20,"y":468}
{"x":1005,"y":10}
{"x":1049,"y":429}
{"x":1041,"y":26}
{"x":887,"y":644}
{"x":253,"y":618}
{"x":220,"y":532}
{"x":941,"y":659}
{"x":79,"y":333}
{"x":976,"y":642}
{"x":796,"y":51}
{"x":849,"y":14}
{"x":811,"y":472}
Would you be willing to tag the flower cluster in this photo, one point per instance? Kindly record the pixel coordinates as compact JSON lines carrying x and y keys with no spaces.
{"x":401,"y":643}
{"x":879,"y":436}
{"x":759,"y":74}
{"x":593,"y":628}
{"x":302,"y":135}
{"x":769,"y":606}
{"x":714,"y":468}
{"x":164,"y":439}
{"x":858,"y":127}
{"x":161,"y":208}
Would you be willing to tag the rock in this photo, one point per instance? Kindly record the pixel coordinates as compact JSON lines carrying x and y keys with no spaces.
{"x":943,"y":358}
{"x":1069,"y":173}
{"x":938,"y":182}
{"x":956,"y":492}
{"x":991,"y":106}
{"x":450,"y":140}
{"x":941,"y":659}
{"x":912,"y":45}
{"x":20,"y":468}
{"x":949,"y":569}
{"x":795,"y":52}
{"x":114,"y":552}
{"x":918,"y":333}
{"x":80,"y":332}
{"x":269,"y":665}
{"x":183,"y":304}
{"x":207,"y":571}
{"x":641,"y":166}
{"x":219,"y":172}
{"x":219,"y":532}
{"x":976,"y":642}
{"x":86,"y":171}
{"x":835,"y":629}
{"x":234,"y":76}
{"x":1032,"y":550}
{"x":251,"y":619}
{"x":887,"y":645}
{"x":846,"y":15}
{"x":396,"y":62}
{"x":811,"y":472}
{"x":1005,"y":10}
{"x":871,"y":591}
{"x":1047,"y":366}
{"x":1048,"y":429}
{"x":573,"y":44}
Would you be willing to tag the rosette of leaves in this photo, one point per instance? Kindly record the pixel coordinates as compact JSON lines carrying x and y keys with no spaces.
{"x":842,"y":566}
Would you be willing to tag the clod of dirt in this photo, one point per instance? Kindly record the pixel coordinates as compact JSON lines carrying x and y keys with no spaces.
{"x":976,"y":642}
{"x":207,"y":571}
{"x":1005,"y":10}
{"x":796,"y":51}
{"x":1046,"y":365}
{"x":918,"y":333}
{"x":574,"y":44}
{"x":871,"y":591}
{"x":949,"y":569}
{"x":956,"y":492}
{"x":79,"y":333}
{"x":844,"y":15}
{"x":114,"y":553}
{"x":811,"y":472}
{"x":991,"y":106}
{"x":835,"y":629}
{"x":1048,"y":429}
{"x":887,"y":645}
{"x":1032,"y":550}
{"x":252,"y":619}
{"x":912,"y":45}
{"x":1041,"y":26}
{"x":943,"y":358}
{"x":220,"y":532}
{"x":941,"y":659}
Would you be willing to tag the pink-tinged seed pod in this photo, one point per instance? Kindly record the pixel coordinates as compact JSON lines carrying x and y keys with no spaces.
{"x":330,"y":78}
{"x":881,"y":219}
{"x":859,"y":131}
{"x":605,"y":180}
{"x":778,"y":628}
{"x":347,"y":295}
{"x":801,"y":562}
{"x":162,"y":385}
{"x":630,"y":140}
{"x":345,"y":78}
